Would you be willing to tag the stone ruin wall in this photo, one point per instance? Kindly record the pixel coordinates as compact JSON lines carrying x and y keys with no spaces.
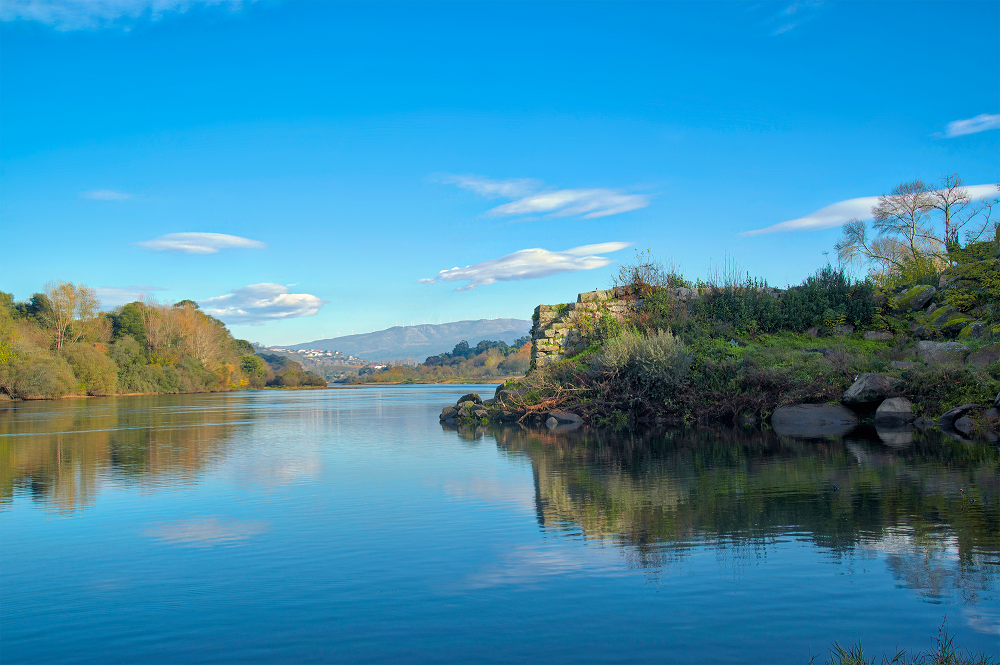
{"x":561,"y":331}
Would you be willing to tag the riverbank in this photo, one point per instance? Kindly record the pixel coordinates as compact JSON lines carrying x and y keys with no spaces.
{"x":820,"y":358}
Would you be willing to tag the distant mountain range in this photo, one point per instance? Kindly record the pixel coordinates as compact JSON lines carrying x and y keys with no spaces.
{"x":420,"y":341}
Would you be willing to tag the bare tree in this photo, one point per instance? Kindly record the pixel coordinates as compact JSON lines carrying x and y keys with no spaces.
{"x":982,"y":219}
{"x":856,"y":245}
{"x":950,"y":199}
{"x":905,"y":213}
{"x":159,"y":322}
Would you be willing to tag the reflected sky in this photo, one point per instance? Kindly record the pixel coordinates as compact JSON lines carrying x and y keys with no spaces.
{"x":349,"y":525}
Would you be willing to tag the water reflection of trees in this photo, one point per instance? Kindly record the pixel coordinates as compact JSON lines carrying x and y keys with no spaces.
{"x":60,"y":453}
{"x":933,"y":507}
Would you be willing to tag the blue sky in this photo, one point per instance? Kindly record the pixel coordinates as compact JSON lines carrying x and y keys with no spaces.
{"x":344,"y":155}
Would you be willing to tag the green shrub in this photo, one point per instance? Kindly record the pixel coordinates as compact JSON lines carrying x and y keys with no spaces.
{"x":96,"y":372}
{"x":661,"y":360}
{"x":39,"y":375}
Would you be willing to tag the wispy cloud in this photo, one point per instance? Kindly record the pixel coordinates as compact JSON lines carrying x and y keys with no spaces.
{"x":528,"y":264}
{"x":981,"y":123}
{"x":111,"y":296}
{"x":842,"y":212}
{"x":68,"y":15}
{"x":493,"y":189}
{"x":257,"y":304}
{"x":199,"y":243}
{"x":531,"y":197}
{"x":106,"y":195}
{"x":792,"y":15}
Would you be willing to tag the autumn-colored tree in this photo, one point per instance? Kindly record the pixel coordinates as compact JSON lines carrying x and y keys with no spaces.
{"x":72,"y":309}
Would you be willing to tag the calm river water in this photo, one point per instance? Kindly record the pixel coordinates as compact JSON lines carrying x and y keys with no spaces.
{"x":349,"y":525}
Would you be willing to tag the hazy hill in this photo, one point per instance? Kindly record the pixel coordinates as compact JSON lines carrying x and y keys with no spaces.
{"x":419,"y":341}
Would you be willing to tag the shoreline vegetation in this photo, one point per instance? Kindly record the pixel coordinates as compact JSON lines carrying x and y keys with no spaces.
{"x":58,"y":344}
{"x":920,"y":333}
{"x":487,"y":362}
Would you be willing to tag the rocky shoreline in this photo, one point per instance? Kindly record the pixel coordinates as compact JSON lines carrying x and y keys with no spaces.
{"x":873,"y":399}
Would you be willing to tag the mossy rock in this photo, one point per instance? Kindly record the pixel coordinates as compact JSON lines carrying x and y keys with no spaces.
{"x":954,"y":324}
{"x":914,"y":299}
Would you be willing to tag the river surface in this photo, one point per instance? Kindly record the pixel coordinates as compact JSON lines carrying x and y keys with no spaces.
{"x":350,"y":525}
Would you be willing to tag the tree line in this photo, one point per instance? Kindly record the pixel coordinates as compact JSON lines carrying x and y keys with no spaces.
{"x":59,"y":342}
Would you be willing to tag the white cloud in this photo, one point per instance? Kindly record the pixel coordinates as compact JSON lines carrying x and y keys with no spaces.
{"x":106,"y":195}
{"x":256,"y":304}
{"x":980,"y":123}
{"x":840,"y":213}
{"x":590,"y":203}
{"x":491,"y":189}
{"x":528,"y":264}
{"x":111,"y":296}
{"x":530,"y":197}
{"x":793,"y":15}
{"x":199,"y":243}
{"x":91,"y":14}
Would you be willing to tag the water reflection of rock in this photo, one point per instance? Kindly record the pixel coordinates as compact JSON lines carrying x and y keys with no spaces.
{"x":659,"y":494}
{"x":60,"y":452}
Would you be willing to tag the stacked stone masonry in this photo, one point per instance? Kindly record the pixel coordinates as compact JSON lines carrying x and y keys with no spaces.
{"x":562,"y":331}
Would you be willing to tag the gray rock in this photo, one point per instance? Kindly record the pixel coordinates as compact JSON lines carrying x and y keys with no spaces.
{"x":947,"y":420}
{"x":894,"y":411}
{"x":845,"y":330}
{"x":900,"y":364}
{"x":914,"y":299}
{"x":920,"y":330}
{"x":992,"y":415}
{"x":921,"y":423}
{"x":898,"y":436}
{"x":565,"y":417}
{"x":877,"y":336}
{"x":489,"y":402}
{"x":448,"y":412}
{"x":813,"y":420}
{"x":976,"y":329}
{"x":996,"y":401}
{"x":934,"y":306}
{"x":985,"y":356}
{"x":941,"y":353}
{"x":471,"y":397}
{"x":551,"y":423}
{"x":964,"y":425}
{"x":869,"y":388}
{"x":814,"y":331}
{"x":880,"y":300}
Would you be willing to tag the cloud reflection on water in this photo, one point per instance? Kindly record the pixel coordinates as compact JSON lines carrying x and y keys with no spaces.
{"x":207,"y":531}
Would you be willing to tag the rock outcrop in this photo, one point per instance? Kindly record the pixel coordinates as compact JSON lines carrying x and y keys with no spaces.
{"x":869,"y":389}
{"x":894,"y":411}
{"x":942,"y":353}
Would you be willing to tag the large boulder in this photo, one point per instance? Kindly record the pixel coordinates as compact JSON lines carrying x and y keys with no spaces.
{"x":471,"y":397}
{"x":566,"y":417}
{"x":914,"y":299}
{"x":812,"y":421}
{"x":941,"y":353}
{"x":985,"y":356}
{"x":947,"y":420}
{"x":869,"y":388}
{"x":448,"y":413}
{"x":894,"y":411}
